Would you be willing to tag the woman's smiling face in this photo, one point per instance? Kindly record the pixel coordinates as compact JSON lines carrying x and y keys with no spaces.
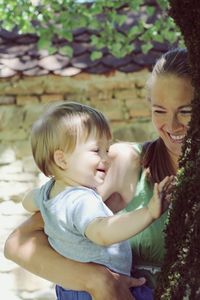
{"x":171,"y":98}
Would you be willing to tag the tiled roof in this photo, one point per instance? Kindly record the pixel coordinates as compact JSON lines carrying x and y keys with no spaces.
{"x":19,"y":55}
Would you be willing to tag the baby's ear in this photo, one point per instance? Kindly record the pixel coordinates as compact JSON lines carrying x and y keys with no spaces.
{"x":60,"y":159}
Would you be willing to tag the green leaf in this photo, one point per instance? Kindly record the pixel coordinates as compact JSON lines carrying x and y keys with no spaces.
{"x":52,"y":50}
{"x":44,"y":43}
{"x":98,"y":42}
{"x":96,"y":55}
{"x":94,"y":24}
{"x":135,"y":4}
{"x":96,"y":9}
{"x":146,"y":47}
{"x":164,"y":4}
{"x":117,"y":49}
{"x":66,"y":50}
{"x":134,"y":31}
{"x":68,"y":35}
{"x":150,"y":10}
{"x":94,"y":40}
{"x":121,"y":19}
{"x":158,"y":38}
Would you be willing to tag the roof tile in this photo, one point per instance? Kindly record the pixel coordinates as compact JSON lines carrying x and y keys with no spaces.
{"x":131,"y":67}
{"x":27,"y":39}
{"x":79,"y":48}
{"x":9,"y":35}
{"x":83,"y":61}
{"x":19,"y":53}
{"x":146,"y":60}
{"x":98,"y":69}
{"x":36,"y":72}
{"x":84,"y":37}
{"x":17,"y":64}
{"x":114,"y":63}
{"x":68,"y":72}
{"x":34,"y":52}
{"x":7,"y":72}
{"x":14,"y":48}
{"x":53,"y":62}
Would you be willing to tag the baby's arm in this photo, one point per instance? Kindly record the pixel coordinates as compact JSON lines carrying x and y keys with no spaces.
{"x":28,"y":201}
{"x":109,"y":230}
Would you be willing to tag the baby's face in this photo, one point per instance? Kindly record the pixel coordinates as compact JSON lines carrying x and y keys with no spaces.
{"x":88,"y":164}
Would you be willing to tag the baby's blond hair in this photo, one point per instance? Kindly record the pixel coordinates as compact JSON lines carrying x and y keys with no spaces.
{"x":61,"y":127}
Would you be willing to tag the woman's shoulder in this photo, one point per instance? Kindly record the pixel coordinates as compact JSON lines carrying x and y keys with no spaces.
{"x":126,"y":148}
{"x":137,"y":147}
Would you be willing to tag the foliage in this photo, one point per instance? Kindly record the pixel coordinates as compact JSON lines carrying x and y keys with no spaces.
{"x":180,"y":273}
{"x":57,"y":20}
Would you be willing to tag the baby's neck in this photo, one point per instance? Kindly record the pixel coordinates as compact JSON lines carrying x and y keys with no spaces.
{"x":58,"y":187}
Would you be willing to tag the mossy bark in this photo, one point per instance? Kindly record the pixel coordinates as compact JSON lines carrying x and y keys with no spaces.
{"x":180,"y":278}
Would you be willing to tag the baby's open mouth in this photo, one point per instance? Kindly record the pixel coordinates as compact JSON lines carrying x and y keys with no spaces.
{"x":101,"y":170}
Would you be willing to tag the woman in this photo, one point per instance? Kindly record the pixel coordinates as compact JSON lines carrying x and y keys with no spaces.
{"x":170,"y":94}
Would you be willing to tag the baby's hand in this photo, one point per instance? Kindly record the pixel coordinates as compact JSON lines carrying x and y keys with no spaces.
{"x":161,"y":197}
{"x":166,"y":190}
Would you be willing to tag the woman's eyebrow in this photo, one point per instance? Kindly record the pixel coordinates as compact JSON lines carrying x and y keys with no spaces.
{"x":180,"y":107}
{"x":155,"y":105}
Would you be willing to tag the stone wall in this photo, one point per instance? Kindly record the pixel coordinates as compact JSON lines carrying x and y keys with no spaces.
{"x":120,"y":96}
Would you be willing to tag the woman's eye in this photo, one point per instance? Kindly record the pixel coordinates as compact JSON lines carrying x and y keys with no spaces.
{"x":159,"y":111}
{"x":186,"y":112}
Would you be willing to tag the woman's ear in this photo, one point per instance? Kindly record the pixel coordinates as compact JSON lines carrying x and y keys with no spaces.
{"x":60,"y":159}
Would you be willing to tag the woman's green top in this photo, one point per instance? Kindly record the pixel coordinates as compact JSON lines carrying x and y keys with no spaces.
{"x":148,"y":246}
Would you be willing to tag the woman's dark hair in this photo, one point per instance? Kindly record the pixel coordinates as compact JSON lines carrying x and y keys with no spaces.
{"x":155,"y":156}
{"x":156,"y":160}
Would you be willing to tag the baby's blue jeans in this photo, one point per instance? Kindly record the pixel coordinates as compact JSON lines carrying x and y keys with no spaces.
{"x":140,"y":293}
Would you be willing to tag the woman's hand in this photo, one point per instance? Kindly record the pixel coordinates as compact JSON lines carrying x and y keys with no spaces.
{"x":122,"y":175}
{"x":114,"y":286}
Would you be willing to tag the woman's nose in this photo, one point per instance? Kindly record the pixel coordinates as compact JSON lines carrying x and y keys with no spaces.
{"x":174,"y":124}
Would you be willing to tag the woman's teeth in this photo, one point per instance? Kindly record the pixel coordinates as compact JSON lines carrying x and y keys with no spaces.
{"x":177,"y":138}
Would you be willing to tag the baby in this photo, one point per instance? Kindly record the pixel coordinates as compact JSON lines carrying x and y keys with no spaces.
{"x":70,"y":143}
